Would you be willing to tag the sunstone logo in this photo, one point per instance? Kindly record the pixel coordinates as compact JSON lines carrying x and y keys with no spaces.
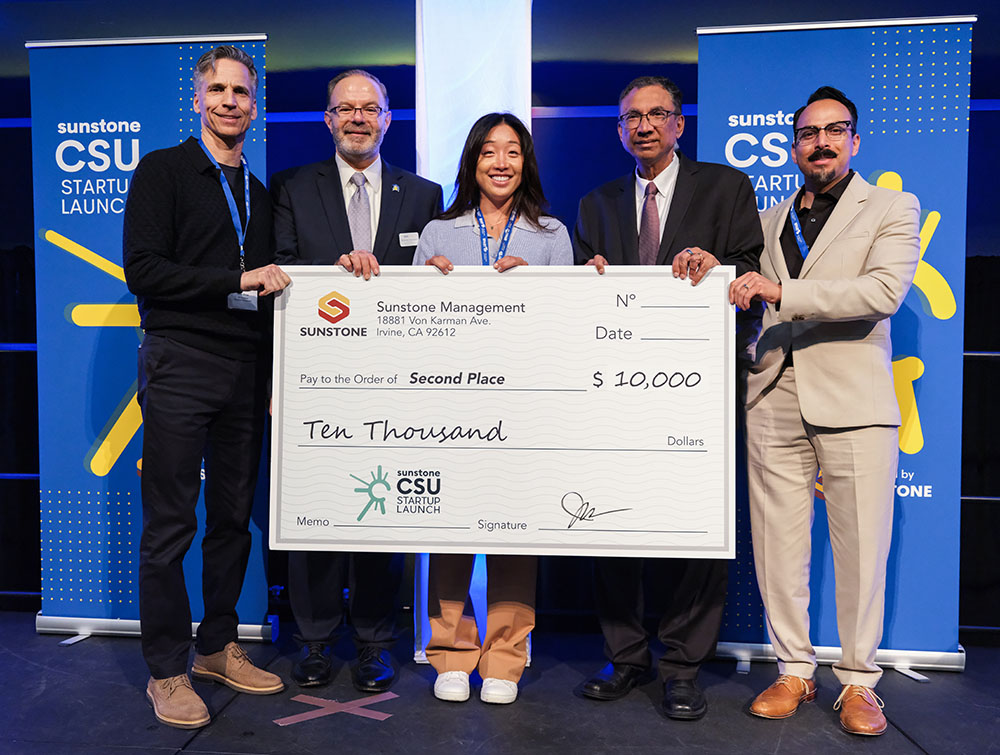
{"x":418,"y":491}
{"x":333,"y":307}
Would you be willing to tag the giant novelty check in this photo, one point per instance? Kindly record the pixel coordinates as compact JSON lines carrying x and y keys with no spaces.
{"x":541,"y":410}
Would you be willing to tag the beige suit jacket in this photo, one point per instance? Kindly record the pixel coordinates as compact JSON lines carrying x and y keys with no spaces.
{"x":834,"y":318}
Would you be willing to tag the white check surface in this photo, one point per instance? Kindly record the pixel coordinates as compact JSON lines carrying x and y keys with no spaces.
{"x":541,"y":410}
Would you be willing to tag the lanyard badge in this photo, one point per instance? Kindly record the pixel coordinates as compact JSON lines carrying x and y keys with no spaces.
{"x":797,"y":229}
{"x":484,"y":243}
{"x":241,"y":231}
{"x":245,"y":300}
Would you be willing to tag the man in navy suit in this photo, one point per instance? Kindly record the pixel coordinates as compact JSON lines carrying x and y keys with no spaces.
{"x":358,"y":211}
{"x":692,"y":216}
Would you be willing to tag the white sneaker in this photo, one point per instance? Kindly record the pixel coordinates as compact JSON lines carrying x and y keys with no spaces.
{"x":500,"y":691}
{"x":452,"y":686}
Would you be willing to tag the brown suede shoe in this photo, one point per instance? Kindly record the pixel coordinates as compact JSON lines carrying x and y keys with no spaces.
{"x":175,"y":703}
{"x":232,"y":667}
{"x":782,"y":698}
{"x":860,"y":710}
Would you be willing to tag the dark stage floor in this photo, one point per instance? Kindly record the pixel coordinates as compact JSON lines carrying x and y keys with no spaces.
{"x":88,"y":699}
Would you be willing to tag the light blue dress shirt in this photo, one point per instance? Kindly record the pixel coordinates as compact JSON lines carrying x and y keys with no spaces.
{"x":458,"y":240}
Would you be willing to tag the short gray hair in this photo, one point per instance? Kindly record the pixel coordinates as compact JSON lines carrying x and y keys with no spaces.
{"x":355,"y":72}
{"x":207,"y":63}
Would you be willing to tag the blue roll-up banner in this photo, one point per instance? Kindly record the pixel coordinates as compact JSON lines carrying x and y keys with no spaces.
{"x":97,"y":106}
{"x":910,"y":81}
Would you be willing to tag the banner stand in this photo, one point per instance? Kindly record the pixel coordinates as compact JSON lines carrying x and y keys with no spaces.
{"x":131,"y":628}
{"x":89,"y":131}
{"x":910,"y":79}
{"x":745,"y":652}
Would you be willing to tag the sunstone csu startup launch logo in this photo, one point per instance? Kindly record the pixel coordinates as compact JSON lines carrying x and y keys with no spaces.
{"x":418,"y":491}
{"x":333,"y":307}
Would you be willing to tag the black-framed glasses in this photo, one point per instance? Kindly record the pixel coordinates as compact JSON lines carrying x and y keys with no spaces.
{"x":835,"y":131}
{"x":371,"y":112}
{"x":655,"y":117}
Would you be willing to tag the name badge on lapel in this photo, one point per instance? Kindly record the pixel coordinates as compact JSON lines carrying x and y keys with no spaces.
{"x":409,"y":239}
{"x":243,"y":300}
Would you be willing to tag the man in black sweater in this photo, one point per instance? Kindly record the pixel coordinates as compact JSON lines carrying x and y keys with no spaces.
{"x":197,"y":254}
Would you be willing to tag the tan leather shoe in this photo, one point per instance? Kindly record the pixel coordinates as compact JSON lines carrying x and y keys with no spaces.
{"x":231,"y":666}
{"x":860,"y":710}
{"x":175,"y":703}
{"x":782,"y":698}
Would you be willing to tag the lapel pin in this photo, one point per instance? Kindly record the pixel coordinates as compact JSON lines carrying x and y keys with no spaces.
{"x":395,"y":187}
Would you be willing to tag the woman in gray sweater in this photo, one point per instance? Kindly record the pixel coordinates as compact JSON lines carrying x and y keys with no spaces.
{"x":496,"y":219}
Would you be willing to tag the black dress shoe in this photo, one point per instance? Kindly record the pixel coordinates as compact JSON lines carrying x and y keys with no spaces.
{"x":684,"y":700}
{"x":374,"y":672}
{"x":613,"y":681}
{"x":313,"y":667}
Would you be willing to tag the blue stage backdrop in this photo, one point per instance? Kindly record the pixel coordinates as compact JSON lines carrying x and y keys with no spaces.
{"x":97,"y":107}
{"x":910,"y":81}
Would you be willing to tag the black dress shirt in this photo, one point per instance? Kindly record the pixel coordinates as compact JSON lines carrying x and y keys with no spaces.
{"x":812,"y":220}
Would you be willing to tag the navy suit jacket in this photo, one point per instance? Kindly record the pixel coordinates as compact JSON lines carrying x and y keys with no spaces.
{"x":310,"y":219}
{"x":713,"y":207}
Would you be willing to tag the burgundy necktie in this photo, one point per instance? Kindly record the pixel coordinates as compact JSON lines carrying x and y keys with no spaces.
{"x":649,"y":228}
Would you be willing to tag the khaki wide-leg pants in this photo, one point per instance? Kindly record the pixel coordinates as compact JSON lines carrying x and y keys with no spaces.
{"x":510,"y":615}
{"x":859,"y":471}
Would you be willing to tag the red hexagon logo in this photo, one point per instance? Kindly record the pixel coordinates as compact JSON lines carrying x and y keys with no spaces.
{"x":334,"y":306}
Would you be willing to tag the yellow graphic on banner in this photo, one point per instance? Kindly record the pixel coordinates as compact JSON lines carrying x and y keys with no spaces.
{"x":121,"y":427}
{"x":934,"y":289}
{"x":105,"y":315}
{"x":91,"y":258}
{"x":117,"y":438}
{"x":938,"y":301}
{"x":905,"y":372}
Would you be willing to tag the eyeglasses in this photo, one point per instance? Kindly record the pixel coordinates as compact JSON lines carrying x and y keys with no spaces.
{"x":655,"y":117}
{"x":371,"y":112}
{"x":835,"y":131}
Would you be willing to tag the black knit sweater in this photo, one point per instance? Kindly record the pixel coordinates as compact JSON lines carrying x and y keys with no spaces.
{"x":182,"y":256}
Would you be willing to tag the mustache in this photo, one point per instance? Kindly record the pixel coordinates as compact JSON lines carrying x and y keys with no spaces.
{"x":821,"y":153}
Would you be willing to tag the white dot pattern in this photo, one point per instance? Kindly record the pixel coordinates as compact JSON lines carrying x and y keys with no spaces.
{"x":920,"y":80}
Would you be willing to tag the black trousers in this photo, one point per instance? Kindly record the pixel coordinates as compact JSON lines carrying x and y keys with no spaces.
{"x":316,"y":582}
{"x":689,"y":627}
{"x":195,"y":405}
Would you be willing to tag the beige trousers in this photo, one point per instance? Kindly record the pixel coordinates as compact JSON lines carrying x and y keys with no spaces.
{"x":510,"y":615}
{"x":784,"y":453}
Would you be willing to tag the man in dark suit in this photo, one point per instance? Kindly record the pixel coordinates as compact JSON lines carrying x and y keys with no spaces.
{"x":355,"y":210}
{"x":692,"y":216}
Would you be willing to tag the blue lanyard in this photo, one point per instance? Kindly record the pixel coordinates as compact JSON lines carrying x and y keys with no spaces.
{"x":797,"y":229}
{"x":241,"y":231}
{"x":484,"y":243}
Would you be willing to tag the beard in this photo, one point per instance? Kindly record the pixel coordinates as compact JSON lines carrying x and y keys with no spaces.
{"x":822,"y":175}
{"x":348,"y":145}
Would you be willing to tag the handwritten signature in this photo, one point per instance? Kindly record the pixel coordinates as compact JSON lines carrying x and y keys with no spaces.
{"x":584,"y":511}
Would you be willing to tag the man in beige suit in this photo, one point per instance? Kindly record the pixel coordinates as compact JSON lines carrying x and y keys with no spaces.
{"x":820,"y":395}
